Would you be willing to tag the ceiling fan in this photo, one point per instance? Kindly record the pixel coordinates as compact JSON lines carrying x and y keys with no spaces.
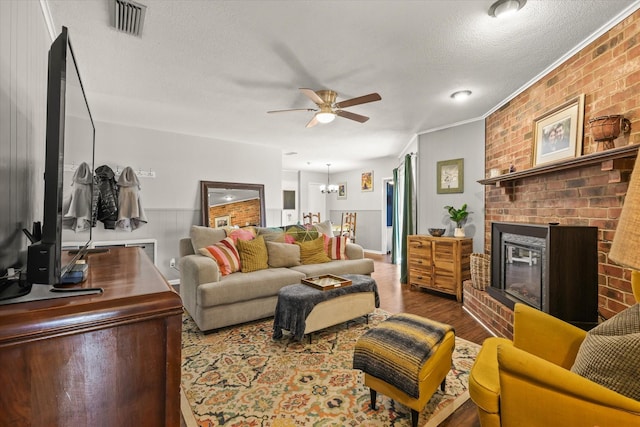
{"x":328,"y":108}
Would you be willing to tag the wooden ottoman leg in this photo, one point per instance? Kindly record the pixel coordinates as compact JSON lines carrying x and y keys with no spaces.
{"x":373,"y":395}
{"x":443,"y":384}
{"x":414,"y":418}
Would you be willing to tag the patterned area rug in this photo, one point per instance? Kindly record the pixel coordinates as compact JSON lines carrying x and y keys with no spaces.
{"x":241,"y":377}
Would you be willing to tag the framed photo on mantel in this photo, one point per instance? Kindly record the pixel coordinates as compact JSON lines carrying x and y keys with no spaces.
{"x":557,"y":134}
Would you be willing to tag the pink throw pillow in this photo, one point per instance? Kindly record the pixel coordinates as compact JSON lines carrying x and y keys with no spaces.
{"x":241,"y":234}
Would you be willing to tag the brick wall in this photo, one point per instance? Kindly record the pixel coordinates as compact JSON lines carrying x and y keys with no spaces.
{"x":494,"y":315}
{"x":608,"y":73}
{"x":240,"y":213}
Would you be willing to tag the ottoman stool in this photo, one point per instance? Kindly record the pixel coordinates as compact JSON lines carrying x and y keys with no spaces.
{"x":406,"y":358}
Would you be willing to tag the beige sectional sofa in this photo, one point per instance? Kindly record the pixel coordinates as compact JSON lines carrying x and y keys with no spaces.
{"x":215,"y":300}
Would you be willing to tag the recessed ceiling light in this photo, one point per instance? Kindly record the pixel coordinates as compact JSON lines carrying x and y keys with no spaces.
{"x":461,"y":95}
{"x":503,"y":8}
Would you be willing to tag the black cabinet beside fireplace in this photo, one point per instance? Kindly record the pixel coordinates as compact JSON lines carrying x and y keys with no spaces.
{"x":553,"y":268}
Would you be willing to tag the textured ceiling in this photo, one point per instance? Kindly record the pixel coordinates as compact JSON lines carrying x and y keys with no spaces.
{"x":214,"y":68}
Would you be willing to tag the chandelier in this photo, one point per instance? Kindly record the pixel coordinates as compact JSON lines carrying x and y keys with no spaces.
{"x":329,"y":188}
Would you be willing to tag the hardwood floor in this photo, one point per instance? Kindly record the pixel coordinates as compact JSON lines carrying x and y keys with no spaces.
{"x":396,"y":298}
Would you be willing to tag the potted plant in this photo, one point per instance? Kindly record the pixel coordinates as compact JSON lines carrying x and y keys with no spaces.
{"x":459,"y":216}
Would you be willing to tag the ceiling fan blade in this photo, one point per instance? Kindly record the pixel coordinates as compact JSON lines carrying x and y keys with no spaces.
{"x":292,"y":109}
{"x":312,"y":122}
{"x":352,"y":116}
{"x":359,"y":100}
{"x":312,"y":95}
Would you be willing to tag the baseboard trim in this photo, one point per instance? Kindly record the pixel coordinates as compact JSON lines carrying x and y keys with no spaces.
{"x":371,"y":251}
{"x":479,"y":321}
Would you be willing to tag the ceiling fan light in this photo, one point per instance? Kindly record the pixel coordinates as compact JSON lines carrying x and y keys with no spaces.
{"x":461,"y":95}
{"x":324,"y":117}
{"x":503,"y":8}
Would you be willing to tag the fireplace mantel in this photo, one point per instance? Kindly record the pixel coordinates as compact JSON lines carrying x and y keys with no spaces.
{"x":616,"y":160}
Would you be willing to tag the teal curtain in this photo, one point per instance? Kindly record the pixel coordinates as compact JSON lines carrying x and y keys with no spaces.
{"x":404,"y":211}
{"x":408,"y":215}
{"x":396,"y":230}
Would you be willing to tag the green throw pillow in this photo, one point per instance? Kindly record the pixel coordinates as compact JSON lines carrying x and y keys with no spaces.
{"x":253,"y":254}
{"x":609,"y":353}
{"x":312,"y":252}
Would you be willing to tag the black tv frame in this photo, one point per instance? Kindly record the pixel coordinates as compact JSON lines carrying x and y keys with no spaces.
{"x":45,"y":263}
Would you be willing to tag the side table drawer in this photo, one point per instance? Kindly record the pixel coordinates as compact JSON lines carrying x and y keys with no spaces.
{"x":419,"y":278}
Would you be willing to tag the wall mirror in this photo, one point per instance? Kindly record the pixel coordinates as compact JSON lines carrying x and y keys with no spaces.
{"x":232,"y":204}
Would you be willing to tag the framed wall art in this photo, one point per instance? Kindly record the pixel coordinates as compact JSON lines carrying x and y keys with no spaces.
{"x":450,"y":176}
{"x":222,"y":221}
{"x":366,"y":183}
{"x":557,"y":134}
{"x":342,"y":190}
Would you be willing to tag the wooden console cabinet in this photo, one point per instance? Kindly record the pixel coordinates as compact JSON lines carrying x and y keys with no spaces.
{"x":439,"y":263}
{"x":101,"y":360}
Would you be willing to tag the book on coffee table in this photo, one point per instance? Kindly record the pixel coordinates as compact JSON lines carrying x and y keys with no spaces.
{"x":326,"y":282}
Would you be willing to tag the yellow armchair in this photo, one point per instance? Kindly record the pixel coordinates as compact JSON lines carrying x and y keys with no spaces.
{"x":528,"y":382}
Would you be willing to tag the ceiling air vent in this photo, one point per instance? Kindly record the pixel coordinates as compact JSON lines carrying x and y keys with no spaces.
{"x":128,"y":16}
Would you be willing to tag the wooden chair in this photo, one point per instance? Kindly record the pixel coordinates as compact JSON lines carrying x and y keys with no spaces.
{"x":348,"y":226}
{"x":310,"y":218}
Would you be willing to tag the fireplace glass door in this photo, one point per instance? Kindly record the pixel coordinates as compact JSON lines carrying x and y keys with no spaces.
{"x":523,"y":273}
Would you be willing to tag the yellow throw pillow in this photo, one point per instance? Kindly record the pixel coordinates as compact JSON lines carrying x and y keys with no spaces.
{"x":253,"y":254}
{"x":312,"y":252}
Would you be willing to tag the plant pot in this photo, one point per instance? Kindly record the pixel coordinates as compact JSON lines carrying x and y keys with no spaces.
{"x":458,"y":232}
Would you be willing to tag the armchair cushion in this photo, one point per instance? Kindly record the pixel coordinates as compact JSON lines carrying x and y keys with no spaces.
{"x":609,"y":353}
{"x":534,"y":392}
{"x":546,"y":336}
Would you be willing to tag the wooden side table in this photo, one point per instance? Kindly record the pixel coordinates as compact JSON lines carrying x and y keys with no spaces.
{"x":439,"y":263}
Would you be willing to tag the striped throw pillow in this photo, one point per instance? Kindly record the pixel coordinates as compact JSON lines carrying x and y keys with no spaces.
{"x":337,"y":247}
{"x":225,"y":254}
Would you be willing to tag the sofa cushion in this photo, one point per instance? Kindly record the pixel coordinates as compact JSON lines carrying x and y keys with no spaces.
{"x":609,"y":353}
{"x":224,"y":254}
{"x":336,"y":247}
{"x":201,"y":237}
{"x":240,"y":287}
{"x":253,"y":254}
{"x":351,"y":266}
{"x":312,"y":252}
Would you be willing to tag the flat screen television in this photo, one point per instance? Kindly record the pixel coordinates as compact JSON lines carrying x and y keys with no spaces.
{"x":68,"y":176}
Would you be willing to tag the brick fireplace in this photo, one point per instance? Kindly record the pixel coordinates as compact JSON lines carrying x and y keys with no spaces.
{"x":607,"y":71}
